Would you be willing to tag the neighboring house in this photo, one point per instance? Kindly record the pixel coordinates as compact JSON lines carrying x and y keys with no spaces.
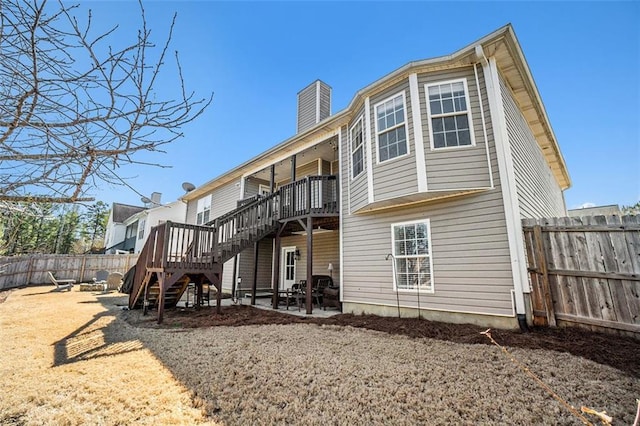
{"x":414,"y":193}
{"x":116,"y":232}
{"x":131,"y":232}
{"x":612,"y":209}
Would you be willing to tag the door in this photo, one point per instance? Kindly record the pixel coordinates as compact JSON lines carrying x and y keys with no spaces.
{"x":288,"y":268}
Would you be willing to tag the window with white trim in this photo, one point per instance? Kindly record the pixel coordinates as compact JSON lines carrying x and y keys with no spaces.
{"x":356,"y":138}
{"x":412,"y":254}
{"x":204,"y":210}
{"x":141,"y":226}
{"x":449,"y":114}
{"x":391,"y":130}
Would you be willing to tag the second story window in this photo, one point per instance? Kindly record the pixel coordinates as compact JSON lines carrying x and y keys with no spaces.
{"x":356,"y":137}
{"x":141,"y":226}
{"x":390,"y":128}
{"x":450,"y":114}
{"x":204,"y":210}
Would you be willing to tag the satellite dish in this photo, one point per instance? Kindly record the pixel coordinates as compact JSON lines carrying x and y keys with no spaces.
{"x":188,"y":186}
{"x":146,"y":200}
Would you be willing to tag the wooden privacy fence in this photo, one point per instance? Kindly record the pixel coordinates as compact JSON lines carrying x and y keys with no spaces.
{"x":585,"y":270}
{"x":18,"y":271}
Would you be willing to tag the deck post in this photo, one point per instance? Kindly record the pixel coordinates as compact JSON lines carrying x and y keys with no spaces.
{"x":234,"y":281}
{"x":219,"y":291}
{"x":254,"y":283}
{"x":161,"y":280}
{"x":272,"y":181}
{"x":275,"y":277}
{"x":309,"y":264}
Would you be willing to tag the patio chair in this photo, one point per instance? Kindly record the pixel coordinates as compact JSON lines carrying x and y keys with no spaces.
{"x":61,"y":284}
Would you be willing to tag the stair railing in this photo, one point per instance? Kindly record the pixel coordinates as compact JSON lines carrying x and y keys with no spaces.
{"x":245,"y":225}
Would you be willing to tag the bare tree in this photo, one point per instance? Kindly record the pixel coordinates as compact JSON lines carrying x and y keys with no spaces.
{"x":73,"y":108}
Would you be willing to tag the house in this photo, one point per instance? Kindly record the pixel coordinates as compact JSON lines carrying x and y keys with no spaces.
{"x":612,"y":209}
{"x":117,"y":237}
{"x":129,"y":234}
{"x":413,"y":193}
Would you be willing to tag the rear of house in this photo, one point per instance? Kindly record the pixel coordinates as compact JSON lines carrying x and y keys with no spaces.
{"x":410,"y":198}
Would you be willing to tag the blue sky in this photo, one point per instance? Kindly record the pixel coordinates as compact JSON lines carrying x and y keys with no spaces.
{"x":256,"y":56}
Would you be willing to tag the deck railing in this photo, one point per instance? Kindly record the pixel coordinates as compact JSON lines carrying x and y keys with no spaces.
{"x":194,"y":248}
{"x":315,"y":195}
{"x":245,"y":225}
{"x":175,"y":246}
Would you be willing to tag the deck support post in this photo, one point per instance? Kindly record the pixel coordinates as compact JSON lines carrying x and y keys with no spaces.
{"x":275,"y":278}
{"x":161,"y":281}
{"x":272,"y":180}
{"x":254,"y":283}
{"x":309,"y":264}
{"x":234,"y":281}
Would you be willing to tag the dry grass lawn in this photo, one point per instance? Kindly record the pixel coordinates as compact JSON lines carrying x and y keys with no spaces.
{"x":71,"y":358}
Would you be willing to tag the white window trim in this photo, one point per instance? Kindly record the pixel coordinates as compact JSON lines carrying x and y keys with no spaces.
{"x":264,"y":190}
{"x":393,"y":245}
{"x":362,"y":145}
{"x":404,"y":123}
{"x":469,"y":114}
{"x":201,"y":207}
{"x":141,"y":225}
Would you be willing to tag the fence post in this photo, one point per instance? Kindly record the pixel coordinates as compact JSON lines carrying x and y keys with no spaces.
{"x":84,"y":261}
{"x":30,"y":270}
{"x":541,"y":260}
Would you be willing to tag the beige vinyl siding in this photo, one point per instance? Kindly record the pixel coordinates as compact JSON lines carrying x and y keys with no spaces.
{"x":395,"y":177}
{"x":307,"y":168}
{"x":325,"y":249}
{"x":471,"y":261}
{"x":307,"y":108}
{"x":457,"y":168}
{"x":539,"y":195}
{"x":252,"y":186}
{"x":246,"y":265}
{"x":325,"y":101}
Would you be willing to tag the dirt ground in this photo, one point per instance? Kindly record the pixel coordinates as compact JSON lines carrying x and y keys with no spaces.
{"x":620,"y":352}
{"x":78,"y":358}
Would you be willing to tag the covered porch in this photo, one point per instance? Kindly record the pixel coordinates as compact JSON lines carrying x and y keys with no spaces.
{"x":305,"y":242}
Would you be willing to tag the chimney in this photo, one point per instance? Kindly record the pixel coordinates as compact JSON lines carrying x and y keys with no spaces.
{"x":314,"y":105}
{"x":155,"y":198}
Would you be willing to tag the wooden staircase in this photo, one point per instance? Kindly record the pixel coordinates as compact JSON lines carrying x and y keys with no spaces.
{"x":176,"y":253}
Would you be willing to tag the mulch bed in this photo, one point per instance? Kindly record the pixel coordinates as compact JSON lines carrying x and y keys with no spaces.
{"x":619,"y":352}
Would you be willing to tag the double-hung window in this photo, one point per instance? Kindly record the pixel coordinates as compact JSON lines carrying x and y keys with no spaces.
{"x":391,"y":130}
{"x":204,"y":210}
{"x":412,"y":255}
{"x":449,"y":114}
{"x":356,"y":136}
